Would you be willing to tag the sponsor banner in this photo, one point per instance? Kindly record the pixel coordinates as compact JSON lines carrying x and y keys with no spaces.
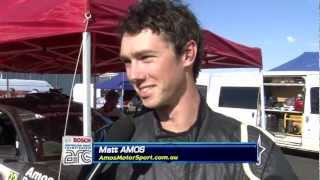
{"x":7,"y":173}
{"x":110,"y":152}
{"x":77,"y":150}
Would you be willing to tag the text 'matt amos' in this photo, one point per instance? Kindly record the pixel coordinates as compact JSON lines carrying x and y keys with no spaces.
{"x":122,"y":149}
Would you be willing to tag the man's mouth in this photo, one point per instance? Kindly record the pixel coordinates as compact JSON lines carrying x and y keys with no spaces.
{"x":145,"y":91}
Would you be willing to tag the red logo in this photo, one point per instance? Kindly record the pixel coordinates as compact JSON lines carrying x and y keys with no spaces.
{"x":82,"y":140}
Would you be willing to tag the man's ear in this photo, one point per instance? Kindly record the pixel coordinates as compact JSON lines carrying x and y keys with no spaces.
{"x":190,"y":53}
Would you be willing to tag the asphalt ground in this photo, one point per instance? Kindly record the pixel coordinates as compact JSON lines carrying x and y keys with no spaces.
{"x":304,"y":164}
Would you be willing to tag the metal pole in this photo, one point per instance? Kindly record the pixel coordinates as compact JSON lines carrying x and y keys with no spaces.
{"x":94,"y":92}
{"x":7,"y":84}
{"x":262,"y":101}
{"x":86,"y":73}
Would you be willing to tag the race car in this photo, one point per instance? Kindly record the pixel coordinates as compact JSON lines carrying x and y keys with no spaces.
{"x":31,"y":130}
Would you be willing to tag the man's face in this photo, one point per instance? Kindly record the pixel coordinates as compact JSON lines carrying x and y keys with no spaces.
{"x":153,"y":68}
{"x":112,"y":101}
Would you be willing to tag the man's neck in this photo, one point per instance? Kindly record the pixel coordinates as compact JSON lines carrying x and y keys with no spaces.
{"x":181,"y":116}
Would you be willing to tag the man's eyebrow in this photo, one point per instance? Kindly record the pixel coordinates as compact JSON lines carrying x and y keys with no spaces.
{"x":138,"y":54}
{"x":124,"y":58}
{"x":143,"y":52}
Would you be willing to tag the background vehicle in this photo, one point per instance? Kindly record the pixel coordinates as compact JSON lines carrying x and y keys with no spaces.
{"x":269,"y":100}
{"x":20,"y":87}
{"x":31,"y":130}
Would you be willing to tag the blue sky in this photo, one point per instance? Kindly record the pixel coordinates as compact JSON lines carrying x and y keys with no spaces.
{"x":283,"y":29}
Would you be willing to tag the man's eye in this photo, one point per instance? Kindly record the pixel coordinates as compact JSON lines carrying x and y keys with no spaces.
{"x":147,"y":58}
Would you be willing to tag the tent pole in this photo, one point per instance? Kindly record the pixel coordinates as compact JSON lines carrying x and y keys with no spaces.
{"x":94,"y":92}
{"x":86,"y":74}
{"x":262,"y":101}
{"x":7,"y":84}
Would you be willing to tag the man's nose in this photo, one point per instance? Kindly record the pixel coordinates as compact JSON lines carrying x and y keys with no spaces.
{"x":135,"y":72}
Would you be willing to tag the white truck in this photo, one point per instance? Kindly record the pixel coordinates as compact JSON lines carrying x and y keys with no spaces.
{"x":285,"y":103}
{"x":20,"y":87}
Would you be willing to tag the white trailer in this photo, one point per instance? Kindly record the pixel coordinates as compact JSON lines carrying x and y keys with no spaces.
{"x":293,"y":122}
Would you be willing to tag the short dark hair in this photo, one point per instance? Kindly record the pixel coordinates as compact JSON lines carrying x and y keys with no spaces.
{"x":112,"y":94}
{"x":170,"y":18}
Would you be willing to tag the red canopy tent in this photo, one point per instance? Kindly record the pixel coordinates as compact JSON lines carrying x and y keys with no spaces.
{"x":45,"y":37}
{"x":223,"y":53}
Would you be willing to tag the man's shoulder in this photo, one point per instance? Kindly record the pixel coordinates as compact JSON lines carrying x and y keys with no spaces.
{"x":218,"y":126}
{"x":144,"y":120}
{"x":271,"y":163}
{"x":254,"y":133}
{"x":144,"y":126}
{"x":270,"y":158}
{"x":143,"y":117}
{"x":214,"y":118}
{"x":222,"y":119}
{"x":227,"y":125}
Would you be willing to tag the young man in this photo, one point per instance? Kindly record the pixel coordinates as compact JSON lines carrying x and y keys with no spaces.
{"x":161,"y":46}
{"x":109,"y":109}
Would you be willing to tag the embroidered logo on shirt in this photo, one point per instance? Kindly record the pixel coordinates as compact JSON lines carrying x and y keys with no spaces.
{"x":261,"y":149}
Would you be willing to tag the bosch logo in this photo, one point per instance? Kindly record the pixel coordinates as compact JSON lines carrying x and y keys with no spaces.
{"x":81,"y":140}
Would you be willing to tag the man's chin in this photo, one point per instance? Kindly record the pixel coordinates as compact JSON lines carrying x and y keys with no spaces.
{"x":149,"y":104}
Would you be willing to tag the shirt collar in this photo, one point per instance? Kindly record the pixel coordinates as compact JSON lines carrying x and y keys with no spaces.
{"x":190,"y":134}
